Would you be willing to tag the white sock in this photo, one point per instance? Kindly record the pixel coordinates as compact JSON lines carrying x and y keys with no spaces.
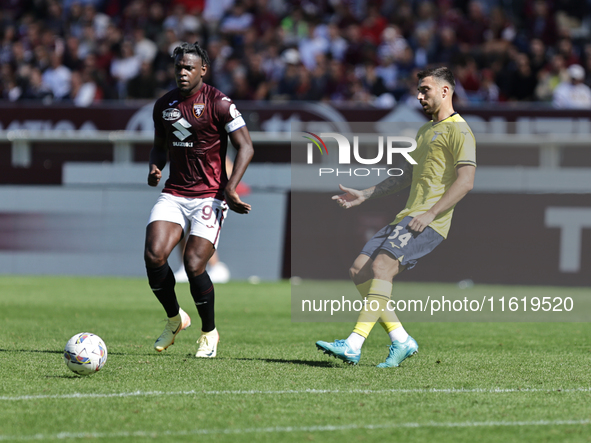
{"x":356,"y":341}
{"x":398,"y":334}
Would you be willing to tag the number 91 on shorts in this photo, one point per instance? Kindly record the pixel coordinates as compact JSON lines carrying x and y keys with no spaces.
{"x":202,"y":217}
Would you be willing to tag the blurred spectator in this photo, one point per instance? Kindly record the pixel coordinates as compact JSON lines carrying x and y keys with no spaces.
{"x":488,"y":91}
{"x":255,"y":75}
{"x":57,"y":77}
{"x":475,"y":25}
{"x":214,"y":10}
{"x":311,"y":46}
{"x":402,"y":18}
{"x":573,"y":94}
{"x":567,"y":50}
{"x":424,"y":47}
{"x":393,"y":44}
{"x":74,"y":19}
{"x":293,"y":27}
{"x":181,"y":21}
{"x":447,"y":49}
{"x":71,"y":57}
{"x":143,"y":85}
{"x":337,"y":45}
{"x":373,"y":25}
{"x":87,"y":42}
{"x":97,"y":20}
{"x":372,"y":82}
{"x":144,"y":48}
{"x":550,"y":77}
{"x":154,"y":21}
{"x":523,"y":81}
{"x":388,"y":72}
{"x":467,"y":76}
{"x":425,"y":17}
{"x":36,"y":89}
{"x":540,"y":23}
{"x":236,"y":23}
{"x":537,"y":55}
{"x":124,"y":67}
{"x":356,"y":53}
{"x":84,"y":90}
{"x":288,"y":85}
{"x":54,"y":21}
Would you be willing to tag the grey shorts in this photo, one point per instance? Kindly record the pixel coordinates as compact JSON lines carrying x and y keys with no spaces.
{"x":407,"y":246}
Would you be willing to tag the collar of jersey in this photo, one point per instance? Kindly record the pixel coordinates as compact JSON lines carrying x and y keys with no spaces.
{"x":440,"y":121}
{"x":188,"y":97}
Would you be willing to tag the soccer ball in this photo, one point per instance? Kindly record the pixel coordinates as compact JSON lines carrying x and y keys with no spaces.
{"x":85,"y":353}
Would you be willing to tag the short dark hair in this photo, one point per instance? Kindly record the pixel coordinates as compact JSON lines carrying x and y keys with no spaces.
{"x":188,"y":48}
{"x":441,"y":73}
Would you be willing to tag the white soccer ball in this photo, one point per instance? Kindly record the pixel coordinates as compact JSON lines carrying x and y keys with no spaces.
{"x":85,"y":353}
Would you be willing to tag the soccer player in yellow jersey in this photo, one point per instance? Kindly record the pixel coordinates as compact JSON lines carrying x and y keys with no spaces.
{"x":444,"y":174}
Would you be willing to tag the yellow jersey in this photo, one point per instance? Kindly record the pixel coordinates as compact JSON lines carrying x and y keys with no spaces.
{"x":441,"y":147}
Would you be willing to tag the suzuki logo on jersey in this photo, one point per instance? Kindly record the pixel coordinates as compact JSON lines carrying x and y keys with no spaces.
{"x":171,"y":114}
{"x":198,"y":109}
{"x":182,"y":127}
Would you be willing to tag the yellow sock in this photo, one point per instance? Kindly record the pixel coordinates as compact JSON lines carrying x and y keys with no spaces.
{"x":389,"y":326}
{"x":377,"y":298}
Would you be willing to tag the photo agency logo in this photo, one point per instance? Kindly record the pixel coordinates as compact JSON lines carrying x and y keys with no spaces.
{"x":394,"y":145}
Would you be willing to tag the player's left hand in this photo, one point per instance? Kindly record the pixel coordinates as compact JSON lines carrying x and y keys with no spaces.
{"x":420,"y":222}
{"x":234,"y":202}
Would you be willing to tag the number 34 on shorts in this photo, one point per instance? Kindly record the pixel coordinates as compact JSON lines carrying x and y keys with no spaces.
{"x":401,"y":235}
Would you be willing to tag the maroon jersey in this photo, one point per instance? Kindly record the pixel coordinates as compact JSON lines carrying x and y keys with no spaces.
{"x":196,"y":131}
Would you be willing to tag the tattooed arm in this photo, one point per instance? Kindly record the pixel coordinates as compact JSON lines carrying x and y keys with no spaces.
{"x":354,"y":197}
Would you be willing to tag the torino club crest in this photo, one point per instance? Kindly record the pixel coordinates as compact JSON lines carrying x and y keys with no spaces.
{"x":198,"y":109}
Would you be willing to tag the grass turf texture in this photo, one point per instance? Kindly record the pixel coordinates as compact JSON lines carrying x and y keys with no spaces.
{"x":259,"y":386}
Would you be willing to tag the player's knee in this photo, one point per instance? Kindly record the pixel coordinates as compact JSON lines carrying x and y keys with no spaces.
{"x":153,"y":258}
{"x":383,"y":270}
{"x":194,"y":265}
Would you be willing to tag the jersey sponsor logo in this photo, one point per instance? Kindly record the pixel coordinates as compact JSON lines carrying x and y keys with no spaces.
{"x":182,"y":127}
{"x":171,"y":114}
{"x":436,"y":134}
{"x":198,"y":109}
{"x":234,"y":112}
{"x":183,"y":144}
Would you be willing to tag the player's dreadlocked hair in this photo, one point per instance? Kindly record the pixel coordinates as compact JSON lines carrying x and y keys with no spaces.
{"x":441,"y":73}
{"x":188,"y":48}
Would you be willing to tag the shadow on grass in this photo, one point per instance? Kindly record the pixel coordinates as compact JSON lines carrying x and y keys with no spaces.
{"x":48,"y":351}
{"x":312,"y":363}
{"x":43,"y":351}
{"x":65,"y":376}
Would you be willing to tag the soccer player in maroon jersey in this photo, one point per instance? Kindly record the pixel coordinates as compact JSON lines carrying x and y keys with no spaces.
{"x":192,"y":124}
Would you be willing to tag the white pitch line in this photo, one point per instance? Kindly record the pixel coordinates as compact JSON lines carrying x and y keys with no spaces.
{"x":290,"y":429}
{"x":291,"y":392}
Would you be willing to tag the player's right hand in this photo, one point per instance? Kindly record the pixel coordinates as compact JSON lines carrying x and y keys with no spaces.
{"x":234,"y":202}
{"x":351,"y":197}
{"x":154,"y":176}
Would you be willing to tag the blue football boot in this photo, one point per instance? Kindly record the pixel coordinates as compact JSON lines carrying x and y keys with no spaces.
{"x":340,"y":349}
{"x":399,"y":352}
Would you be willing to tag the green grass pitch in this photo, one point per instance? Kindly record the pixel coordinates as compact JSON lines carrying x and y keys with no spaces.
{"x":498,"y":382}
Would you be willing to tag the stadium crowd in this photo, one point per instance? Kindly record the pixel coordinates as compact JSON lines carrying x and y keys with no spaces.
{"x":86,"y":51}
